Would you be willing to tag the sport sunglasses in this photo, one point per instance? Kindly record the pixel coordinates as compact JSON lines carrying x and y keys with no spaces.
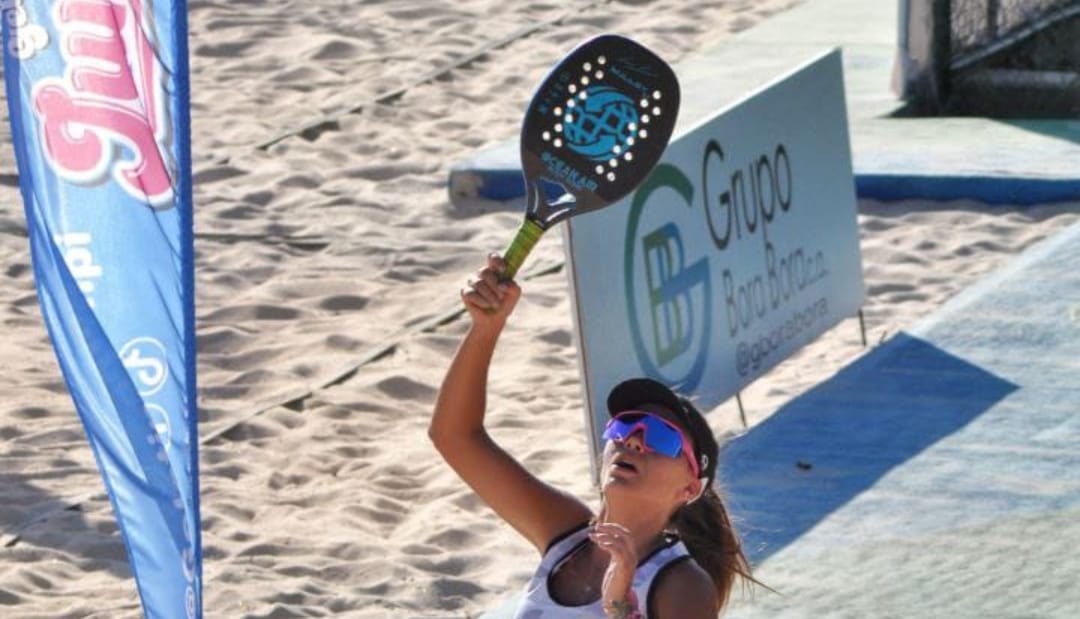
{"x":658,"y":434}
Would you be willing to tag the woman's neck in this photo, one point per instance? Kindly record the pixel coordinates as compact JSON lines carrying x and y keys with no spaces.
{"x":645,"y":528}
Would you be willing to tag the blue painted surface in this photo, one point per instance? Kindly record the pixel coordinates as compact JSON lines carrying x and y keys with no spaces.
{"x":834,"y":442}
{"x":963,"y":426}
{"x":502,"y":184}
{"x":943,"y":187}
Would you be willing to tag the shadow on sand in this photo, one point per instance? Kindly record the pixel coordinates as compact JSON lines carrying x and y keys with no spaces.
{"x":827,"y":446}
{"x":31,"y":517}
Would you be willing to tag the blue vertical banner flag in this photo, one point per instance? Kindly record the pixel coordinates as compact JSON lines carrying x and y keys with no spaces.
{"x":98,"y":97}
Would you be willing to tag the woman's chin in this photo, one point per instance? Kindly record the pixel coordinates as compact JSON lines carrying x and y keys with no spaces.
{"x":616,"y":477}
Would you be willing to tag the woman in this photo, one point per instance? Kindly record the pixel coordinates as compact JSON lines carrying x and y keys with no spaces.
{"x":662,"y":545}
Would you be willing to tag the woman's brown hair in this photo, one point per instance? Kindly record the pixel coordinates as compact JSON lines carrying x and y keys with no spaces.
{"x":705,"y":527}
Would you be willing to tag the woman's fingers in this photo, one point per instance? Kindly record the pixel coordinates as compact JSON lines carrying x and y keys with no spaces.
{"x":611,"y":527}
{"x":615,"y":539}
{"x":490,"y":279}
{"x":486,"y":296}
{"x":486,"y":291}
{"x":483,"y":290}
{"x":473,"y":299}
{"x":496,"y":263}
{"x":612,"y":542}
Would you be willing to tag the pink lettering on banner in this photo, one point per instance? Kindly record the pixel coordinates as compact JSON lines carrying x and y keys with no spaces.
{"x":108,"y":113}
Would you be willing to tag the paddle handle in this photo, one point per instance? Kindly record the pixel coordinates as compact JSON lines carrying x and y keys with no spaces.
{"x":514,"y":256}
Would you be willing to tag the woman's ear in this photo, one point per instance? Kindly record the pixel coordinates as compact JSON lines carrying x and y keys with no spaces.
{"x":694,"y":490}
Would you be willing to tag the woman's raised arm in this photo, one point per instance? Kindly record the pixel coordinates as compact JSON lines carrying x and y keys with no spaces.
{"x":537,"y":510}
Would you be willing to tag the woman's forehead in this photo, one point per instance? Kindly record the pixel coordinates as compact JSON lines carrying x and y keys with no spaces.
{"x":661,"y":411}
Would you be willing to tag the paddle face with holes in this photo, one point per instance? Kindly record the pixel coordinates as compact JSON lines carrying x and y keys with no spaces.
{"x":597,"y":125}
{"x":594,"y":130}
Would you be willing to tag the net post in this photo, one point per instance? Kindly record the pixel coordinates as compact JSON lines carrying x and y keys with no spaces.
{"x":742,"y":411}
{"x":862,"y":327}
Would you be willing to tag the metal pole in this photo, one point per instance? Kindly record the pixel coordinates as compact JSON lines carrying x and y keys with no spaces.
{"x":992,"y":18}
{"x":862,"y":327}
{"x":941,"y":51}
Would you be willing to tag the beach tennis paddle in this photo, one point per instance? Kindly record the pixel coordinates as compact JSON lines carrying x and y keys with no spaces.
{"x":593,"y":131}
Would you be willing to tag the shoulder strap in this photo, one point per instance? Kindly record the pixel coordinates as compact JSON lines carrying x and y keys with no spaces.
{"x":651,"y":572}
{"x":562,"y":544}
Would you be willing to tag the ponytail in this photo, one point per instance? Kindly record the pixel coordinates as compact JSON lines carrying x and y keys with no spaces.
{"x":705,"y":527}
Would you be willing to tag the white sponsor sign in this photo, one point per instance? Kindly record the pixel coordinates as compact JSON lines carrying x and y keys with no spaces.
{"x":741,"y":247}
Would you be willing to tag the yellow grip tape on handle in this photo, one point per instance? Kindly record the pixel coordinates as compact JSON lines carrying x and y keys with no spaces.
{"x":527,"y":236}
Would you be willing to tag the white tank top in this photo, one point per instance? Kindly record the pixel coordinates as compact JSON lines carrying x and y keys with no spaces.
{"x":537,"y":602}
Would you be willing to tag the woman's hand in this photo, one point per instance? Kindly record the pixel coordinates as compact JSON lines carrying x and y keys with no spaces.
{"x":489,"y":300}
{"x":615,"y":539}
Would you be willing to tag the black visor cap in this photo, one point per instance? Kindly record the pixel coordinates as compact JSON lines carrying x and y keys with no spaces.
{"x":632,"y":393}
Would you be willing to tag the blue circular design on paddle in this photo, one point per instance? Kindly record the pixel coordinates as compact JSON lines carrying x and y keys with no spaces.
{"x":601,"y":122}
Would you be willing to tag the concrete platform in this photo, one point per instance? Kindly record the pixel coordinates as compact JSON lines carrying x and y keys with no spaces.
{"x":895,"y":157}
{"x":956,"y":443}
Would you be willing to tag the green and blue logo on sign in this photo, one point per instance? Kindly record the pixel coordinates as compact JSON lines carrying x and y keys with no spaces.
{"x":669,"y":294}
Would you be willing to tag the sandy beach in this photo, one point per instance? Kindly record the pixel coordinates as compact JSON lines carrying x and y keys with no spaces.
{"x":319,"y":259}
